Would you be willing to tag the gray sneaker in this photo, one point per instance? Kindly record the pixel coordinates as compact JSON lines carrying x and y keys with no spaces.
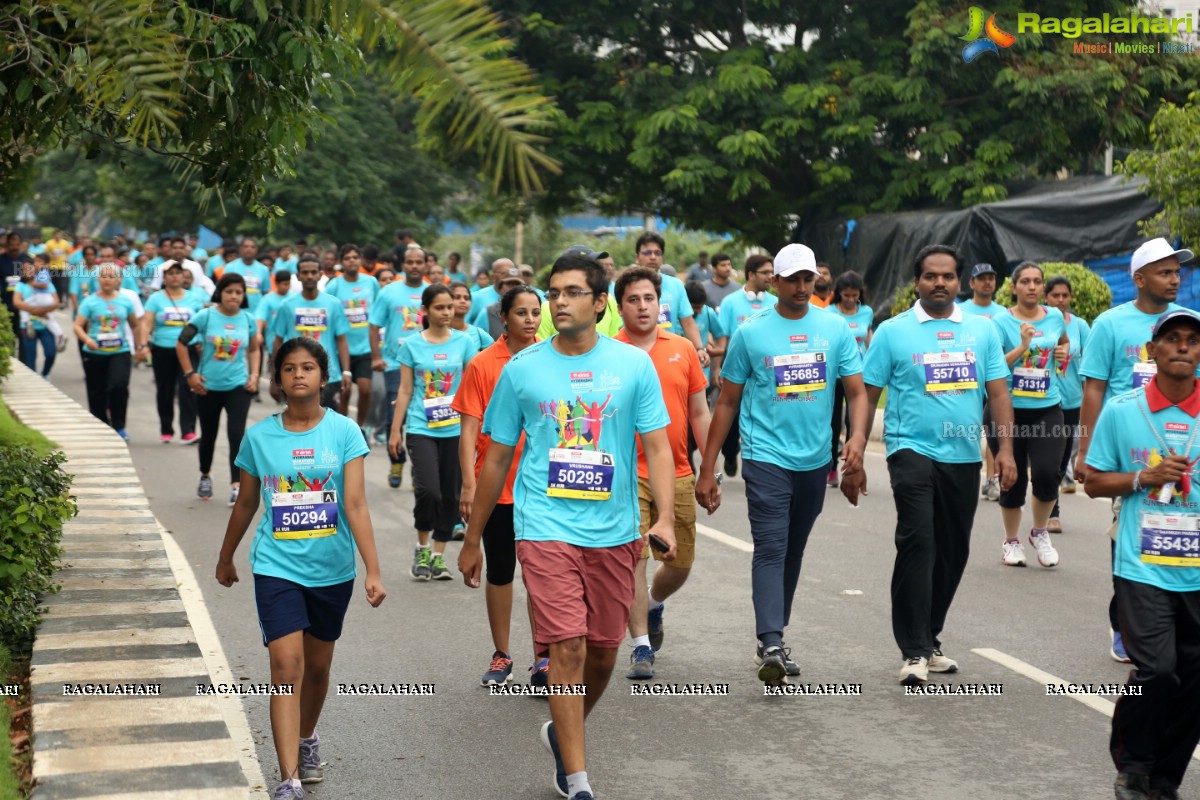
{"x":438,"y":569}
{"x":992,"y":489}
{"x":310,"y":760}
{"x":420,"y":566}
{"x":790,"y":667}
{"x":233,"y":494}
{"x":773,"y":669}
{"x":204,"y":490}
{"x":288,"y":791}
{"x":641,"y":664}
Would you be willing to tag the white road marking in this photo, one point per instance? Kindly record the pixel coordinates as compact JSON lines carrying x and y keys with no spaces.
{"x":1105,"y":707}
{"x":724,"y":538}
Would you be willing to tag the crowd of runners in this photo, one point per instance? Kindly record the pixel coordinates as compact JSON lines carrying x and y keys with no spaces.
{"x":576,"y":430}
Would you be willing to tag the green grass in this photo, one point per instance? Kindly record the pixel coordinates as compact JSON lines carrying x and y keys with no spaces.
{"x":882,"y":398}
{"x":13,"y":433}
{"x":10,"y":787}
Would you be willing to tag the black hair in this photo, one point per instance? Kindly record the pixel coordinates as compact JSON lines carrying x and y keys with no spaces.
{"x":718,"y":258}
{"x":454,"y":255}
{"x":349,"y":248}
{"x":452,"y":285}
{"x":429,"y":295}
{"x":228,"y":279}
{"x":595,"y":276}
{"x":83,"y":250}
{"x":430,"y":254}
{"x":647,"y":237}
{"x":754,"y":262}
{"x":849,"y":280}
{"x":314,"y":349}
{"x":702,"y":254}
{"x":633,"y":275}
{"x":697,"y":294}
{"x":509,"y":298}
{"x":1016,"y":274}
{"x":229,"y":250}
{"x":308,"y":257}
{"x":382,"y":270}
{"x":1056,"y":281}
{"x":283,"y":275}
{"x":936,"y":249}
{"x":370,"y":253}
{"x":403,"y":234}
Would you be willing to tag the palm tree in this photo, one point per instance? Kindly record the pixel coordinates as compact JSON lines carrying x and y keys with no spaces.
{"x":226,"y":87}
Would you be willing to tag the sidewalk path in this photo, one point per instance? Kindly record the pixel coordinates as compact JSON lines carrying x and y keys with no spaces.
{"x":118,"y":624}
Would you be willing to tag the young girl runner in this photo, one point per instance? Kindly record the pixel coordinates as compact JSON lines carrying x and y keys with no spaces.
{"x":302,"y":555}
{"x":431,"y":367}
{"x":462,"y":306}
{"x":521,"y":310}
{"x":849,"y":300}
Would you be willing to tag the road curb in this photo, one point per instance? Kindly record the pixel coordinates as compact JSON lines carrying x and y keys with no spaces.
{"x":118,"y":622}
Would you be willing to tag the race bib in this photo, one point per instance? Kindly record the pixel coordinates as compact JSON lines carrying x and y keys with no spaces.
{"x":946,"y":372}
{"x":1142,"y":373}
{"x":438,"y":413}
{"x":799,"y":372}
{"x":304,"y":515}
{"x":580,"y":474}
{"x":311,"y":320}
{"x":253,"y":285}
{"x":1030,"y":382}
{"x":1171,"y":541}
{"x":175,"y":316}
{"x":110,"y":341}
{"x":356,"y":315}
{"x":664,"y":315}
{"x":11,"y":282}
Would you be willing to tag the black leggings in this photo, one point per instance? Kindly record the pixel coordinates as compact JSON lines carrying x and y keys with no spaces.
{"x":1071,"y":424}
{"x":841,"y":412}
{"x":500,"y":545}
{"x":1037,"y":448}
{"x":236,"y":404}
{"x":107,"y":378}
{"x":437,"y":481}
{"x":168,"y":380}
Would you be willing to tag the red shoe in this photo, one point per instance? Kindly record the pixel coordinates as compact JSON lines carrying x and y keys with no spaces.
{"x":189,"y":438}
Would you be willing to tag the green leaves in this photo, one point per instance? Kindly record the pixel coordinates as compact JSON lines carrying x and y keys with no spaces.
{"x":1171,"y":169}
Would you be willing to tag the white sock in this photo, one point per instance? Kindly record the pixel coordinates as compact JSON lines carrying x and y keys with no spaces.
{"x":422,"y":547}
{"x":655,"y":603}
{"x":577,"y":782}
{"x":640,"y":641}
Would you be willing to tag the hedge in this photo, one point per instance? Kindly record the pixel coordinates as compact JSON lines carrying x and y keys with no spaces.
{"x":8,"y":341}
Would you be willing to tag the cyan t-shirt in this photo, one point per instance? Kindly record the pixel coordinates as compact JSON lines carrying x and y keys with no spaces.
{"x":738,"y":307}
{"x":707,"y":322}
{"x":437,"y":372}
{"x":210,"y":266}
{"x":224,"y":341}
{"x":257,"y":277}
{"x":266,"y":312}
{"x":357,"y":298}
{"x":321,"y":318}
{"x":303,"y":535}
{"x":480,"y":337}
{"x":106,"y":323}
{"x":860,"y":324}
{"x":27,"y":291}
{"x":577,"y":479}
{"x":1116,"y":350}
{"x":397,"y":310}
{"x":787,"y":368}
{"x":990,"y":311}
{"x":1070,"y":382}
{"x":936,"y":374}
{"x":479,"y":305}
{"x":1157,"y":543}
{"x":1033,"y":381}
{"x":170,"y":316}
{"x":674,"y":306}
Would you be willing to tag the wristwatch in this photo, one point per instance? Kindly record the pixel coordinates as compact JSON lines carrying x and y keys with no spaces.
{"x":187,"y":375}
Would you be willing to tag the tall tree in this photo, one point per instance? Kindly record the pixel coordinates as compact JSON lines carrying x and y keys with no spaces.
{"x":746,"y":115}
{"x":1171,"y":167}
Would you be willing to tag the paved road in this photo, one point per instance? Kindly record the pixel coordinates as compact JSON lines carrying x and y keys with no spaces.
{"x":461,"y":743}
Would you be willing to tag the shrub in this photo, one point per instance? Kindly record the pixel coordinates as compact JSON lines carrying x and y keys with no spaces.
{"x":36,"y":490}
{"x":8,"y":341}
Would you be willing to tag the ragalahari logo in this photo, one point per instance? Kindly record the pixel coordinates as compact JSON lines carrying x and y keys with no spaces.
{"x":984,"y":37}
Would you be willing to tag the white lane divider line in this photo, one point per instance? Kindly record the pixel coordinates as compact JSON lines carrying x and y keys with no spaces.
{"x":724,"y":538}
{"x":1105,"y":707}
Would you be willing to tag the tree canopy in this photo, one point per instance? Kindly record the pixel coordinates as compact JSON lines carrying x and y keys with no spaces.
{"x":1171,"y":167}
{"x":746,"y":115}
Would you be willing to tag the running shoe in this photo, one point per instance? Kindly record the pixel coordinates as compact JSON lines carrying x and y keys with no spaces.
{"x":539,"y":674}
{"x":550,"y":740}
{"x":438,"y":569}
{"x":1046,"y":554}
{"x":1013,"y":553}
{"x":914,"y":671}
{"x":940,"y":663}
{"x":288,"y":791}
{"x":500,"y":671}
{"x":459,"y":533}
{"x":1164,"y":793}
{"x":121,"y":432}
{"x":204,"y":490}
{"x":773,"y":669}
{"x":1068,"y":486}
{"x":583,"y":796}
{"x":991,"y":490}
{"x":790,"y":667}
{"x":395,"y":475}
{"x":233,"y":494}
{"x":1054,"y":525}
{"x":189,"y":438}
{"x":831,"y":480}
{"x":166,"y":438}
{"x":1117,"y":651}
{"x":310,"y":760}
{"x":731,"y":466}
{"x":641,"y":664}
{"x":420,"y":566}
{"x":654,"y":620}
{"x":1132,"y":786}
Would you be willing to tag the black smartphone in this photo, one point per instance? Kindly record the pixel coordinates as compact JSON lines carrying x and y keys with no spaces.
{"x":658,"y":544}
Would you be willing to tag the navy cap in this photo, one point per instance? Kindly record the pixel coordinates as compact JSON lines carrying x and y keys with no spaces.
{"x":983,"y":268}
{"x":584,"y":250}
{"x":1178,"y":315}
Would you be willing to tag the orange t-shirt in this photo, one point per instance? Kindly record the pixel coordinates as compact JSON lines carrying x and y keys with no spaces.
{"x":681,"y":376}
{"x":478,"y":382}
{"x":819,"y":303}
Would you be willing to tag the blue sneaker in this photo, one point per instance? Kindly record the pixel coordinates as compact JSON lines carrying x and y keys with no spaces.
{"x":499,"y":672}
{"x":1118,"y":649}
{"x":121,"y":432}
{"x":560,"y":774}
{"x":654,"y":618}
{"x":539,"y":674}
{"x":582,"y":796}
{"x":459,"y":533}
{"x":641,"y":664}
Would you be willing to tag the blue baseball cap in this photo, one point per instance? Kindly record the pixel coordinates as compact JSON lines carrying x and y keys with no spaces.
{"x":1174,"y":317}
{"x":982,"y":268}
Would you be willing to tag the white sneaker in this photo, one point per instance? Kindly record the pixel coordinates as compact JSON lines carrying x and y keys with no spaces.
{"x":914,"y":671}
{"x":940,"y":663}
{"x":992,"y":490}
{"x":1047,"y":555}
{"x":1014,"y":553}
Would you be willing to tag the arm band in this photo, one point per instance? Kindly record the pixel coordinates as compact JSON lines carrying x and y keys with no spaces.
{"x":187,"y":334}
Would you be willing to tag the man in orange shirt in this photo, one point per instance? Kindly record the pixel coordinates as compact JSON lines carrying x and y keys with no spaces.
{"x":823,"y":289}
{"x":638,"y":292}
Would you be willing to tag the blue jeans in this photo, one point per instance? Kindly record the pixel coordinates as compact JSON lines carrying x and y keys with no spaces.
{"x":49,"y":350}
{"x":783,"y":505}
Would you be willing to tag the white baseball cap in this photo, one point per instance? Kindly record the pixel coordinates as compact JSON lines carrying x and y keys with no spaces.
{"x":795,"y":258}
{"x":1157,"y":250}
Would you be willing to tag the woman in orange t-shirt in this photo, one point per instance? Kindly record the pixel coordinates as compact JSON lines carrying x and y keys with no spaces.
{"x":521,"y":310}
